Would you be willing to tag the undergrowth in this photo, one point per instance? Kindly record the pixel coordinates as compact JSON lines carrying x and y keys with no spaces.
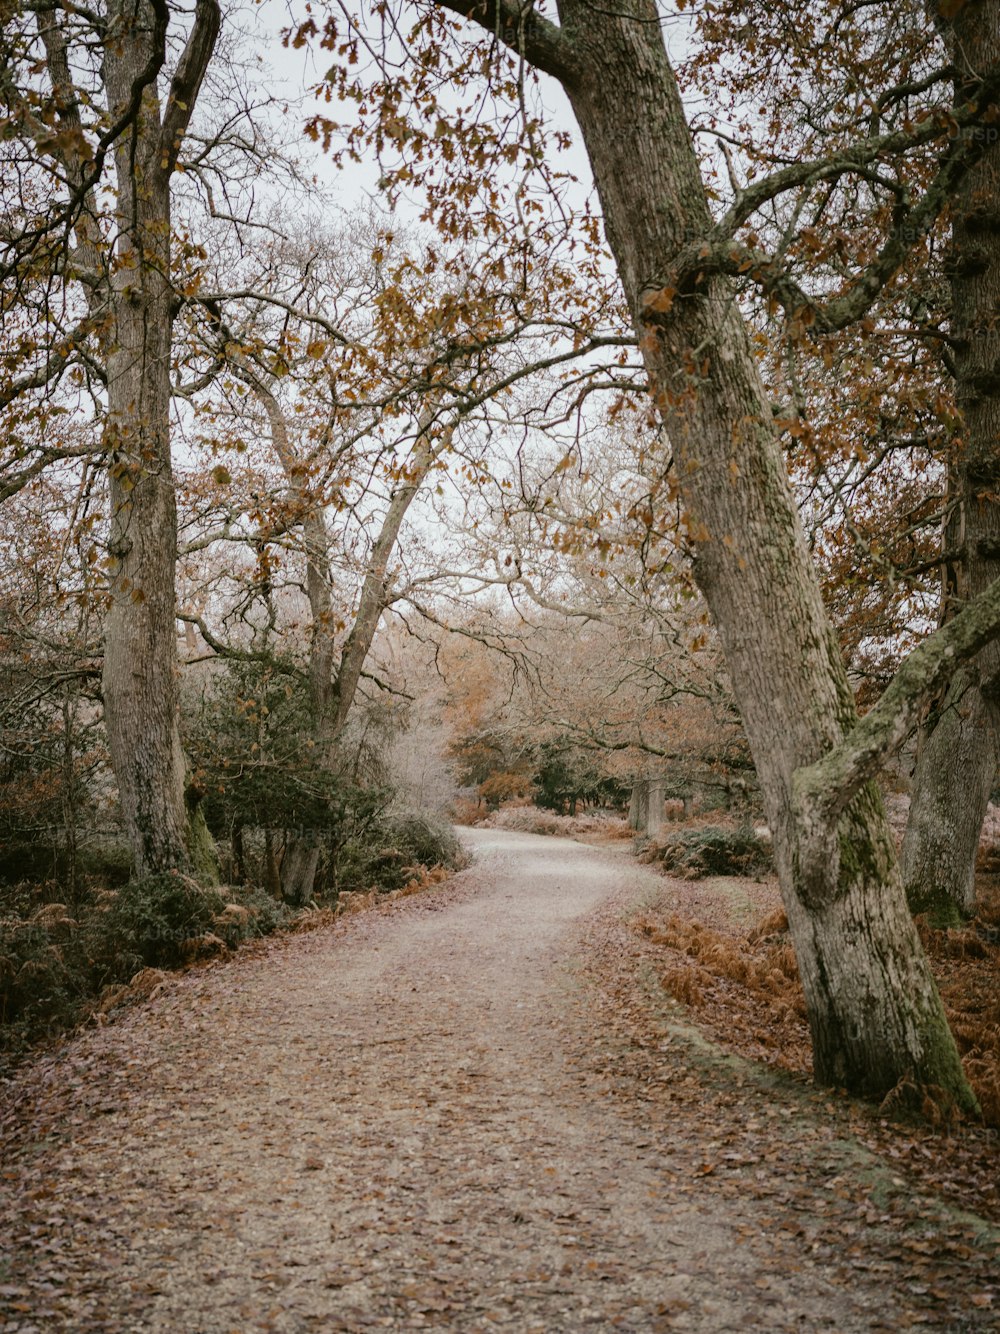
{"x":528,"y":819}
{"x":406,"y":844}
{"x":744,"y":985}
{"x":707,"y":850}
{"x":64,"y":956}
{"x":56,"y":959}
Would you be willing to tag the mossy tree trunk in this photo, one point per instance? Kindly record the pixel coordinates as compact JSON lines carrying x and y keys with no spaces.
{"x":955,"y":774}
{"x":130,"y":297}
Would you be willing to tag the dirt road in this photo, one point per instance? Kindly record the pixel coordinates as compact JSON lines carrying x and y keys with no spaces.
{"x":415,"y":1119}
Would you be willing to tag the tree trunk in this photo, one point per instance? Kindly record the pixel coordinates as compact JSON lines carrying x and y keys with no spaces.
{"x":655,"y":814}
{"x":239,"y":869}
{"x":962,"y":737}
{"x":202,"y":855}
{"x":299,"y":867}
{"x":955,"y":774}
{"x":133,"y":305}
{"x":272,"y":871}
{"x":140,"y":655}
{"x":333,"y":690}
{"x":638,"y":806}
{"x":874,"y":1011}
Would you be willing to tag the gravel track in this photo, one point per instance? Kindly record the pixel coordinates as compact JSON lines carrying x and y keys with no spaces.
{"x":391,"y":1123}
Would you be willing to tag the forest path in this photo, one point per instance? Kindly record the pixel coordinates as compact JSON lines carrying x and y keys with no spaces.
{"x":422,"y":1118}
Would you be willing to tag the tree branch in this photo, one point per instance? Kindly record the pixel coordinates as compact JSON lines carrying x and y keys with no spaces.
{"x":540,"y":42}
{"x":187,"y":80}
{"x":824,"y":789}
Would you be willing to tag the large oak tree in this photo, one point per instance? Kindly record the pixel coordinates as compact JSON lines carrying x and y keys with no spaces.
{"x":88,"y":121}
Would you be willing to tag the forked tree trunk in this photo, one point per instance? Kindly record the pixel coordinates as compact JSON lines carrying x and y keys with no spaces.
{"x":130,"y":298}
{"x":874,"y":1011}
{"x":960,"y":746}
{"x":333,"y":682}
{"x":140,"y":655}
{"x":334,"y":694}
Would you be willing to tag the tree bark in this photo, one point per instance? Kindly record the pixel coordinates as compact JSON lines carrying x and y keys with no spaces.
{"x":638,"y":806}
{"x":140,"y":674}
{"x":955,"y":774}
{"x":655,"y":815}
{"x":959,"y":747}
{"x":874,"y":1011}
{"x":140,"y":658}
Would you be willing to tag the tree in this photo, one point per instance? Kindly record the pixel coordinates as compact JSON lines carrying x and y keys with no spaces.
{"x":53,"y":755}
{"x":892,"y":412}
{"x":369,"y":363}
{"x":115,"y":274}
{"x":962,"y":734}
{"x":874,"y":1011}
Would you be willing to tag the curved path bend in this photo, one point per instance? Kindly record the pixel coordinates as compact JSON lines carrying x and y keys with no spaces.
{"x":394,"y":1123}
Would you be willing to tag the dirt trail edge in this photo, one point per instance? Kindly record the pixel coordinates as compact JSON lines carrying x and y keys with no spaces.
{"x":413,"y":1120}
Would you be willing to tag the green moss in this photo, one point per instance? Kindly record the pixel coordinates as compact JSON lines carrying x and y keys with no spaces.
{"x":200,"y":844}
{"x":863,"y":857}
{"x":936,"y":904}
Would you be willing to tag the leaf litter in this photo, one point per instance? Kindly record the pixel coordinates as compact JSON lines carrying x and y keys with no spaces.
{"x":475,"y":1108}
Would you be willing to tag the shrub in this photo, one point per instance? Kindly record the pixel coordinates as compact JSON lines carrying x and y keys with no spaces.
{"x":468,"y":811}
{"x":710,"y":850}
{"x":107,"y":861}
{"x":152,"y":921}
{"x":424,"y":841}
{"x":40,"y":971}
{"x":393,"y":850}
{"x":531,"y":820}
{"x":528,"y":820}
{"x":148,"y":920}
{"x":55,"y":961}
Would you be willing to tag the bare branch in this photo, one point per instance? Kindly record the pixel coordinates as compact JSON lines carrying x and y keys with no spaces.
{"x":187,"y":80}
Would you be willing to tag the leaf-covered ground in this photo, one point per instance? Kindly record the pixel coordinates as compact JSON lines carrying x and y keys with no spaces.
{"x":474,"y":1109}
{"x":721,"y":948}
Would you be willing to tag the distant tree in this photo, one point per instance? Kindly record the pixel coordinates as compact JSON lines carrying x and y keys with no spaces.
{"x":254,"y":757}
{"x":959,"y":747}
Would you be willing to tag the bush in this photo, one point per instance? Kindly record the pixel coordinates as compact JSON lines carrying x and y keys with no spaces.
{"x":531,"y":820}
{"x":153,"y":922}
{"x":147,"y":922}
{"x":393,"y":850}
{"x":107,"y":861}
{"x":55,"y":961}
{"x":424,"y":841}
{"x":710,"y":850}
{"x":468,"y":811}
{"x":42,"y":972}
